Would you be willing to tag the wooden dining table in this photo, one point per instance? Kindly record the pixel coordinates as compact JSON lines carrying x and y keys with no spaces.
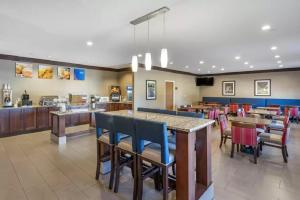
{"x":193,"y":152}
{"x":269,"y":108}
{"x":258,"y":121}
{"x":262,"y":112}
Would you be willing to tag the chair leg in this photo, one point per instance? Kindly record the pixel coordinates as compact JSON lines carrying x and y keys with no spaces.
{"x":286,"y":151}
{"x":112,"y":170}
{"x":135,"y":178}
{"x":225,"y":139}
{"x":237,"y":148}
{"x":261,"y":146}
{"x":117,"y":167}
{"x":258,"y":151}
{"x":255,"y":154}
{"x":174,"y":169}
{"x":98,"y":160}
{"x":140,"y":178}
{"x":232,"y":150}
{"x":165,"y":183}
{"x":221,"y":142}
{"x":284,"y":154}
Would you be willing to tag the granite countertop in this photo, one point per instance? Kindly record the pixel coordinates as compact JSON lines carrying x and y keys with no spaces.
{"x":33,"y":106}
{"x":129,"y":102}
{"x":75,"y":111}
{"x":185,"y":124}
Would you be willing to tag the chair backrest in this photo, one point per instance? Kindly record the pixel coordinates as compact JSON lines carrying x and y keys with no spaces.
{"x":241,"y":112}
{"x":190,"y":114}
{"x":294,"y":111}
{"x":217,"y":113}
{"x":233,"y":107}
{"x":274,"y":105}
{"x":223,"y":124}
{"x":247,"y":107}
{"x":124,"y":125}
{"x":155,"y":132}
{"x":244,"y":133}
{"x":167,"y":112}
{"x":148,"y":110}
{"x":226,"y":110}
{"x":104,"y":122}
{"x":211,"y":114}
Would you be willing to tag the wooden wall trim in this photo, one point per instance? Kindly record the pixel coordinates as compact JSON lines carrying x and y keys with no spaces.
{"x":52,"y":62}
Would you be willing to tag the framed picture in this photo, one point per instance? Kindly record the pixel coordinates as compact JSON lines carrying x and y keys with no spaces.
{"x":64,"y":73}
{"x":150,"y":89}
{"x":24,"y":70}
{"x":79,"y":74}
{"x":45,"y":72}
{"x":262,"y":87}
{"x":228,"y":88}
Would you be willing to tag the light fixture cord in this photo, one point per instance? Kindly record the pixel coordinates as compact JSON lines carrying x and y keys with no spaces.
{"x":148,"y":34}
{"x":134,"y":42}
{"x":164,"y":29}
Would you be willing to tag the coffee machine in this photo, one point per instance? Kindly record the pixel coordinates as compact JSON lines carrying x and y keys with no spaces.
{"x":93,"y":102}
{"x":115,"y":93}
{"x":7,"y":96}
{"x":25,"y":99}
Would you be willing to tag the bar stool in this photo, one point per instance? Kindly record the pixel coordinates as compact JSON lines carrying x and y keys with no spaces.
{"x":158,"y":153}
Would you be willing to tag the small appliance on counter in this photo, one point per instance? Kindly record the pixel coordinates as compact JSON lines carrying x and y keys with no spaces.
{"x":115,"y":93}
{"x":93,"y":102}
{"x":7,"y":96}
{"x":78,"y":99}
{"x":26,"y":100}
{"x":48,"y":101}
{"x":61,"y":103}
{"x":103,"y":99}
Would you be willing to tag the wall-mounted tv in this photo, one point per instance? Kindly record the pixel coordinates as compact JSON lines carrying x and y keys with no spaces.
{"x":205,"y":81}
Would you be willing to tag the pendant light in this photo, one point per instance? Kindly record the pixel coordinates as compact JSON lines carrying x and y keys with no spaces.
{"x":164,"y":51}
{"x":134,"y":60}
{"x":148,"y":60}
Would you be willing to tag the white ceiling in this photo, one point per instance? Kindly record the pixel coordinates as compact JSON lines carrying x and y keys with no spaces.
{"x":211,"y":30}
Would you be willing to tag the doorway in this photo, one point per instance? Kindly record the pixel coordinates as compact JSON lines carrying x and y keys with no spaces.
{"x":169,"y":99}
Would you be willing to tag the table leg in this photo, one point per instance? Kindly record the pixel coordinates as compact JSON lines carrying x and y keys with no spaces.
{"x":58,"y":131}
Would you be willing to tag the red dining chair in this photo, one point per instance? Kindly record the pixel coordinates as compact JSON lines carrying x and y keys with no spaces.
{"x":217,"y":115}
{"x":233,"y":107}
{"x":244,"y":134}
{"x":247,"y":107}
{"x":241,"y":112}
{"x":279,"y":125}
{"x":273,"y":139}
{"x":225,"y":131}
{"x":260,"y":128}
{"x":211,"y":115}
{"x":294,"y":113}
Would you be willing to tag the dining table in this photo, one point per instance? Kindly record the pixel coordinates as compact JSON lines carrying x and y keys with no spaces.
{"x":262,"y":112}
{"x":257,"y":121}
{"x":269,"y":108}
{"x":193,"y":152}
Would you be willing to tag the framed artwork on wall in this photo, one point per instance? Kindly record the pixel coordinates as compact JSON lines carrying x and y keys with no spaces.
{"x":24,"y":70}
{"x":228,"y":88}
{"x":79,"y":74}
{"x":45,"y":72}
{"x":262,"y":87}
{"x":150,"y":89}
{"x":64,"y":73}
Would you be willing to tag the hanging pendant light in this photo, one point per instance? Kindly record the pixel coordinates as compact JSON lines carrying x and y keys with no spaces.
{"x":134,"y":60}
{"x":148,"y":59}
{"x":164,"y":51}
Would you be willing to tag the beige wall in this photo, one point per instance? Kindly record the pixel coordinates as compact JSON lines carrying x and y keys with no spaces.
{"x":186,"y":93}
{"x":97,"y":82}
{"x":283,"y":85}
{"x":125,"y":79}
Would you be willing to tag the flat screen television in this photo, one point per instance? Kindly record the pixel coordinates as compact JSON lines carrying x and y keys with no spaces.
{"x":205,"y":81}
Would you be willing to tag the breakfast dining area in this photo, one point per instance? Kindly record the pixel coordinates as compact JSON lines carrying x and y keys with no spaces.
{"x":139,"y":99}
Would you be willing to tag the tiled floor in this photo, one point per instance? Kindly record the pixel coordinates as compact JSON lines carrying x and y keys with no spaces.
{"x":31,"y":167}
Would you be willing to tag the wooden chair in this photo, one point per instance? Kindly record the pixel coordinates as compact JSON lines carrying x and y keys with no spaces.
{"x":247,"y":107}
{"x":244,"y":134}
{"x":294,"y":113}
{"x":159,"y":153}
{"x":225,"y":131}
{"x":241,"y":112}
{"x":233,"y":107}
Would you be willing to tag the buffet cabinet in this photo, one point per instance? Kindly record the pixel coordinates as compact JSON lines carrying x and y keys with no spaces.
{"x":15,"y":121}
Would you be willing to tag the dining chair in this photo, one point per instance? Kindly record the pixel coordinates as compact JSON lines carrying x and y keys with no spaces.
{"x":158,"y":153}
{"x":241,"y":112}
{"x":244,"y":134}
{"x":273,"y":139}
{"x":105,"y":135}
{"x":247,"y":107}
{"x":294,"y":113}
{"x":225,"y":111}
{"x":233,"y":107}
{"x":278,"y":125}
{"x":224,"y":129}
{"x":211,"y":115}
{"x":260,"y":128}
{"x":125,"y":150}
{"x":217,"y":115}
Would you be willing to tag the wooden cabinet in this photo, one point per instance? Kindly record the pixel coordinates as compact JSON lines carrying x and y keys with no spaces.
{"x":49,"y":115}
{"x":29,"y":118}
{"x":15,"y":121}
{"x":42,"y":119}
{"x":68,"y":120}
{"x":84,"y":118}
{"x":75,"y":119}
{"x":4,"y":122}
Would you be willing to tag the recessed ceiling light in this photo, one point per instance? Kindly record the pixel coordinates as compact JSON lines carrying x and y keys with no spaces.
{"x":171,"y":63}
{"x":140,"y":55}
{"x":201,"y":62}
{"x":273,"y":48}
{"x":251,"y":66}
{"x":89,"y":43}
{"x":246,"y":63}
{"x":49,"y":56}
{"x":279,"y":61}
{"x":237,"y":57}
{"x":222,"y":69}
{"x":214,"y":66}
{"x":280,"y":66}
{"x":208,"y":72}
{"x":266,"y":27}
{"x":199,"y":69}
{"x":277,"y":56}
{"x":186,"y":66}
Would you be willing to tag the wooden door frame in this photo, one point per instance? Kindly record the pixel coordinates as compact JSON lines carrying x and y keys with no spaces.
{"x":174,"y":100}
